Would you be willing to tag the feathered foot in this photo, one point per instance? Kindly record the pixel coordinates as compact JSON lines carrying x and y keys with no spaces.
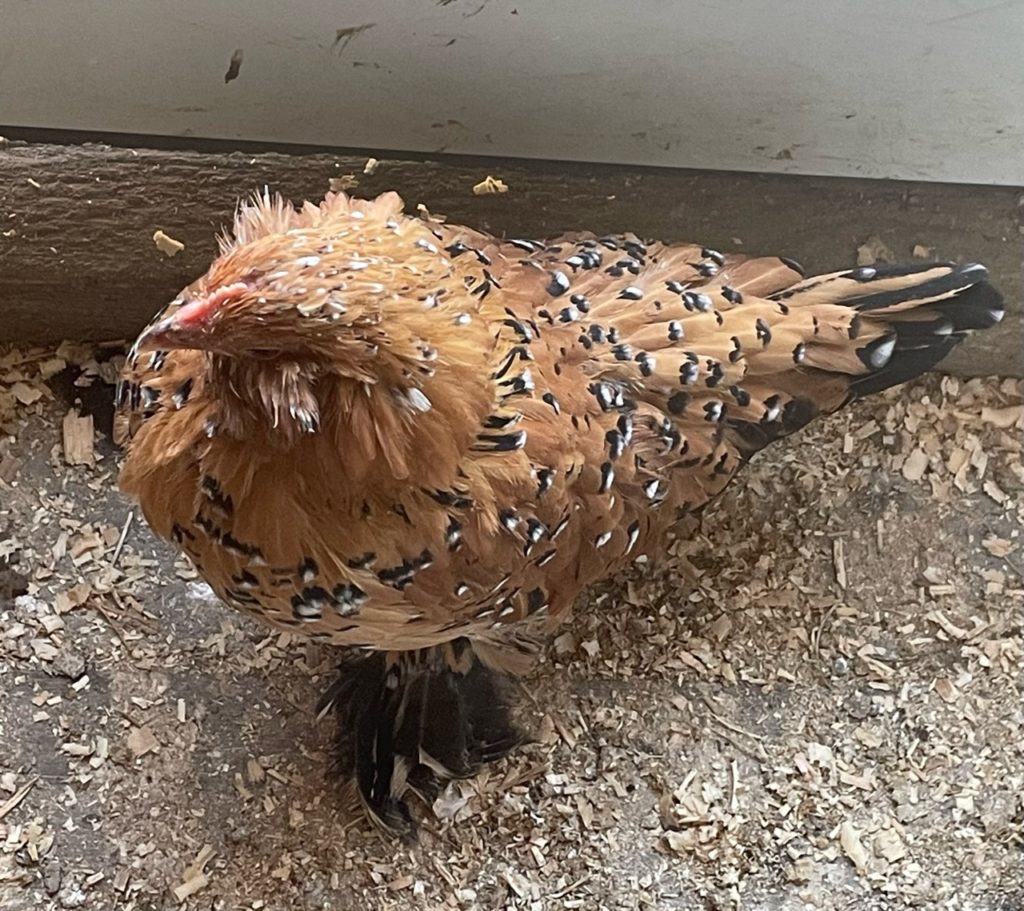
{"x":407,"y":721}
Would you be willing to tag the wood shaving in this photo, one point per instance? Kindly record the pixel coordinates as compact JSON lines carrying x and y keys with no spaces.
{"x":78,"y":439}
{"x":141,"y":741}
{"x":874,"y":250}
{"x":490,"y":185}
{"x":195,"y":877}
{"x":16,"y":798}
{"x":344,"y":183}
{"x":849,"y":838}
{"x":167,"y":244}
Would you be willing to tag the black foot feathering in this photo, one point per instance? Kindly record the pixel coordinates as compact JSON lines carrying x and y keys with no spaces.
{"x":409,"y":720}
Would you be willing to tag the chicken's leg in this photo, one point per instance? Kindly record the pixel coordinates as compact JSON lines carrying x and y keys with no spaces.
{"x":408,"y":720}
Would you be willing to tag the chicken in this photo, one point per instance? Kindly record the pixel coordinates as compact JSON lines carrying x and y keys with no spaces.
{"x":420,"y":442}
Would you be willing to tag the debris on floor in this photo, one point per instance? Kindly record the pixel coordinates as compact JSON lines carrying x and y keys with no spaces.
{"x":815,"y":704}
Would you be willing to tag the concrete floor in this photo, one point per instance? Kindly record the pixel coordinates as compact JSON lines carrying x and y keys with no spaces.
{"x":815,"y":704}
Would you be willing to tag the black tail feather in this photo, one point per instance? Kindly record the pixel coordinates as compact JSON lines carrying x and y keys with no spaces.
{"x":955,"y":279}
{"x":925,"y":310}
{"x":407,"y":721}
{"x":918,"y":345}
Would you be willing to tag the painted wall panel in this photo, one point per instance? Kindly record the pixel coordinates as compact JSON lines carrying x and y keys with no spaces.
{"x":929,"y":90}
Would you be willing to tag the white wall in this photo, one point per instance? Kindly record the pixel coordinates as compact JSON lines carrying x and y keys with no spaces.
{"x":932,"y":89}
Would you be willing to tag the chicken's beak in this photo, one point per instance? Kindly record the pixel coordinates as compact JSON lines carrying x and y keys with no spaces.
{"x":192,"y":324}
{"x":159,"y":332}
{"x":170,"y":333}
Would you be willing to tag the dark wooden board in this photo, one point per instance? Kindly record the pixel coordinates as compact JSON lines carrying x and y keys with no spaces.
{"x":77,"y":258}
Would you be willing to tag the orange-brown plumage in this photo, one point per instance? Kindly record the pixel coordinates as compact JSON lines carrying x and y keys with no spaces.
{"x":393,"y":433}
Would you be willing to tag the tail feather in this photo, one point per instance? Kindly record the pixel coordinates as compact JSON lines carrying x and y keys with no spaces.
{"x":410,"y":720}
{"x":870,"y":328}
{"x":926,"y":319}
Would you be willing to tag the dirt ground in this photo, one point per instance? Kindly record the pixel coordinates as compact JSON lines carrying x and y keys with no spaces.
{"x":816,"y":704}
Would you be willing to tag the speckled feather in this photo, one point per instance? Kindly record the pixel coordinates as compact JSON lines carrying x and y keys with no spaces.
{"x":393,"y":433}
{"x":491,"y":425}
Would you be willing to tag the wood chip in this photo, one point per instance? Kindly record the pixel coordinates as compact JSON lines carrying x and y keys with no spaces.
{"x":402,"y":882}
{"x":915,"y":465}
{"x":16,"y":798}
{"x":888,"y":845}
{"x":167,"y":244}
{"x":78,"y":439}
{"x":243,"y":791}
{"x":343,"y":184}
{"x":994,"y":491}
{"x":999,"y":547}
{"x":1004,"y":418}
{"x":254,"y":771}
{"x":839,"y":562}
{"x":874,"y":250}
{"x":490,"y":185}
{"x":25,"y":394}
{"x":43,"y":649}
{"x":849,"y":839}
{"x":195,"y":878}
{"x":141,"y":741}
{"x":66,"y":601}
{"x":947,"y":692}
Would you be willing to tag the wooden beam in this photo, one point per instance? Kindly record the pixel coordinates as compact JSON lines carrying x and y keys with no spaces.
{"x":77,"y":257}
